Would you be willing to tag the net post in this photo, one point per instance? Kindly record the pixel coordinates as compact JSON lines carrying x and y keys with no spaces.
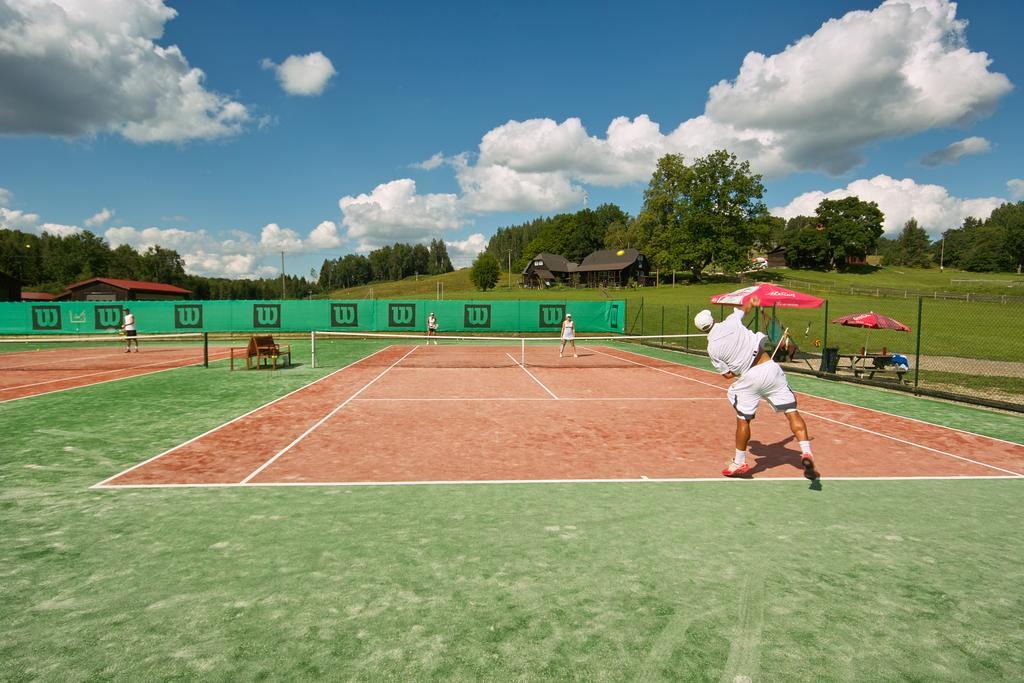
{"x":312,"y":348}
{"x":522,"y":351}
{"x":206,"y":349}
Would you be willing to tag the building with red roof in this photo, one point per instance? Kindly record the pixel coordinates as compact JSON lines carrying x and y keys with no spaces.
{"x":111,"y":289}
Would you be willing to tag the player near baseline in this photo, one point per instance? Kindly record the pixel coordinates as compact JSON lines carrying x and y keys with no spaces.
{"x":128,"y":325}
{"x":568,"y":335}
{"x":737,"y":353}
{"x":431,"y":328}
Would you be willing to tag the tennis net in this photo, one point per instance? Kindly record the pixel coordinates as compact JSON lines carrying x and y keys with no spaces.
{"x":337,"y":349}
{"x":102,"y":352}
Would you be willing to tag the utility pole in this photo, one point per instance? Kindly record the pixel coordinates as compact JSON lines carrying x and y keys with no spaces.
{"x":510,"y":269}
{"x":942,"y":252}
{"x":282,"y":276}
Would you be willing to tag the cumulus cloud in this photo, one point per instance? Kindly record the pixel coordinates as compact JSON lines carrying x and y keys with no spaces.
{"x":954,"y":152}
{"x":462,"y":252}
{"x":59,"y":229}
{"x":431,"y":163}
{"x":1016,"y":187}
{"x":12,"y":219}
{"x":900,"y":200}
{"x":5,"y":196}
{"x":72,"y":68}
{"x":99,"y":218}
{"x":304,"y":75}
{"x":394,"y":211}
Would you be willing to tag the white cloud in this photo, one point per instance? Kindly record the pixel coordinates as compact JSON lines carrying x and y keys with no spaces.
{"x":395,"y":212}
{"x":431,"y":163}
{"x":275,"y":238}
{"x":5,"y":196}
{"x":462,"y":252}
{"x":305,"y":75}
{"x":900,"y":200}
{"x":954,"y":152}
{"x":325,"y":236}
{"x":59,"y":229}
{"x":99,"y":218}
{"x":74,"y":68}
{"x":1016,"y":187}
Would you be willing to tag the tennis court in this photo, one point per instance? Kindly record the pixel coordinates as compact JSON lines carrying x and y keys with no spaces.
{"x":416,"y":414}
{"x":36,"y":366}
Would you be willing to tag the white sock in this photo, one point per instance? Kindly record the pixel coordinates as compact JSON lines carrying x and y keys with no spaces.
{"x":741,"y":457}
{"x":805,"y":447}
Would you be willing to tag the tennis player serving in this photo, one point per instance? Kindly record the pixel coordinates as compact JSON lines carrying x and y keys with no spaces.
{"x":746,"y":356}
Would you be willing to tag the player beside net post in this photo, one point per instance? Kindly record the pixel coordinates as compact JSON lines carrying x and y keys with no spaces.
{"x":737,"y":353}
{"x":432,"y":328}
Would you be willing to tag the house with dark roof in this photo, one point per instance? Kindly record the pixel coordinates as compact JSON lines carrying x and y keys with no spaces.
{"x":111,"y":289}
{"x":547,"y":270}
{"x":612,"y":268}
{"x":36,"y":296}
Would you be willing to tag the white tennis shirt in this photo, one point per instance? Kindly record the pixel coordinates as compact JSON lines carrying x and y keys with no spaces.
{"x":129,"y":321}
{"x":731,"y":346}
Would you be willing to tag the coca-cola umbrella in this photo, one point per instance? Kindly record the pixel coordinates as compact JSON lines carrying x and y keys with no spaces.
{"x":770,"y":295}
{"x":871,"y":321}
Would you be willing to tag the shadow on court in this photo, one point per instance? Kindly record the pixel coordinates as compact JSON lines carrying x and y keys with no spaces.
{"x":772,"y":455}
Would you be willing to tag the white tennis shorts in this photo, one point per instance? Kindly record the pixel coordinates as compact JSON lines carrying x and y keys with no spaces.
{"x":568,"y":336}
{"x":766,"y":381}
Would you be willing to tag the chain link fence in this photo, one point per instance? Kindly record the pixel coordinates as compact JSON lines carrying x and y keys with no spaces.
{"x":968,"y":351}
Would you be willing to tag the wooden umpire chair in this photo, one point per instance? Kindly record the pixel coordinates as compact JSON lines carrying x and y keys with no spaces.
{"x":263,"y":352}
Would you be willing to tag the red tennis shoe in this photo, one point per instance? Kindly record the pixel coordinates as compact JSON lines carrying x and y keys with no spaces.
{"x":735,"y":470}
{"x":807,"y":462}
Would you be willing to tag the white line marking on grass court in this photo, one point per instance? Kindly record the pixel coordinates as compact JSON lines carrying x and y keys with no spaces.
{"x":532,"y":376}
{"x":846,"y":424}
{"x":106,"y":381}
{"x":477,"y":482}
{"x":326,"y":417}
{"x":102,"y":372}
{"x":232,"y":421}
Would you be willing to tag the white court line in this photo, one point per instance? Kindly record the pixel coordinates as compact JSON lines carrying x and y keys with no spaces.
{"x":56,"y":356}
{"x":545,"y":400}
{"x":832,"y":400}
{"x":845,"y":424}
{"x":233,"y":420}
{"x":101,"y":372}
{"x":477,"y":482}
{"x":326,"y":417}
{"x":532,"y":376}
{"x":106,"y":381}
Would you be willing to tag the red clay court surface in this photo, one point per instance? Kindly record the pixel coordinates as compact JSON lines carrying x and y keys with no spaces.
{"x":403,"y":416}
{"x":30,"y":373}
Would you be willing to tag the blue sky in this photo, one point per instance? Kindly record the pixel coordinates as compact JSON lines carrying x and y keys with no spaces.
{"x":322,"y":128}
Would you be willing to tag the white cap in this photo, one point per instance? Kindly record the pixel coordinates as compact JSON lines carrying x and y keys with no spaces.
{"x":704,"y":320}
{"x":568,"y":315}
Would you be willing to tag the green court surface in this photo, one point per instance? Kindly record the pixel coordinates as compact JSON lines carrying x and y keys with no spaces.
{"x":730,"y":581}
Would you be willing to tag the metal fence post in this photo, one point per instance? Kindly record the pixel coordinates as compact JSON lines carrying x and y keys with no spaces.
{"x":917,"y":351}
{"x":663,"y":326}
{"x":687,"y":338}
{"x":824,"y":334}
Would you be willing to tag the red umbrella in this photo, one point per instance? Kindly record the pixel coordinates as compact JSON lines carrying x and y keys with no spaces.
{"x":871,"y":321}
{"x":770,"y":295}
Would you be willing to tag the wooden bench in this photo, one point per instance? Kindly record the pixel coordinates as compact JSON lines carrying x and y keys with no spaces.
{"x":881,"y":367}
{"x":262,"y":352}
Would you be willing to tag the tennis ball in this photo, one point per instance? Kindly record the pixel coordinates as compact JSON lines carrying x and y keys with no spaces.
{"x":620,"y":252}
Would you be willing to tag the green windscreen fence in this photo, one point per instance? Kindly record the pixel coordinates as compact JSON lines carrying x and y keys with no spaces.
{"x":89,"y":317}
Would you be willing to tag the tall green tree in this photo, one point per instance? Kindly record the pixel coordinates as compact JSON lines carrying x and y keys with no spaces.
{"x":1010,"y":218}
{"x":439,"y":262}
{"x":911,"y":248}
{"x":852,"y":228}
{"x":485,"y":272}
{"x":710,"y":211}
{"x":806,"y":244}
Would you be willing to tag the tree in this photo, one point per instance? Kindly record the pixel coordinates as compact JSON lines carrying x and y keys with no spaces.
{"x":162,"y":265}
{"x":439,"y":262}
{"x":486,"y":271}
{"x":703,"y":213}
{"x":910,"y":249}
{"x":987,"y":251}
{"x":1010,"y":218}
{"x":852,"y":228}
{"x":806,"y":244}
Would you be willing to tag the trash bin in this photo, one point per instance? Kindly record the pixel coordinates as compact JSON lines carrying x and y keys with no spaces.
{"x":829,"y":359}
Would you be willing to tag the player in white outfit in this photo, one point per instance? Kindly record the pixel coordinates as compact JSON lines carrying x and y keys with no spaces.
{"x":568,"y":335}
{"x":738,"y":353}
{"x":431,"y":328}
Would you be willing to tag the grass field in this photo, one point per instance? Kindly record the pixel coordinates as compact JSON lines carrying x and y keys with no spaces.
{"x":860,"y":580}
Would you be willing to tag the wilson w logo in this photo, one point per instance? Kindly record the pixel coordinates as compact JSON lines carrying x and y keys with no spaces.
{"x":477,"y":315}
{"x":108,"y":317}
{"x":188,"y":316}
{"x":46,"y":317}
{"x":613,"y":317}
{"x":266,"y":315}
{"x":551,"y":315}
{"x":402,"y":315}
{"x":344,"y":315}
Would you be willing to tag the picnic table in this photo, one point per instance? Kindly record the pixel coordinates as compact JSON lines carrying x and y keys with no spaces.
{"x":870,"y":364}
